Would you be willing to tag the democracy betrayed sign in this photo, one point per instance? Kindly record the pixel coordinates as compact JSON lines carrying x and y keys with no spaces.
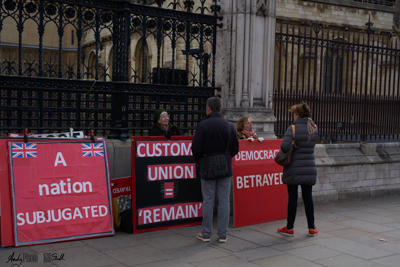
{"x":166,"y":191}
{"x":121,"y":197}
{"x":61,"y":191}
{"x":259,"y":194}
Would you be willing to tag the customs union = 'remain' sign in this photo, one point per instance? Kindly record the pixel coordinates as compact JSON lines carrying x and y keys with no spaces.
{"x":166,"y":191}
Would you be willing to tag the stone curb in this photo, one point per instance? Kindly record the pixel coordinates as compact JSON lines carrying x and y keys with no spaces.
{"x":354,"y":193}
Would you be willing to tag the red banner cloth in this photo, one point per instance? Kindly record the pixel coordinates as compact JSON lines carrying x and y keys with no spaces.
{"x":259,"y":195}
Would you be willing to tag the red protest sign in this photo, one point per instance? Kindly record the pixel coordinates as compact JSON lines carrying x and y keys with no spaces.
{"x":166,"y":191}
{"x":60,"y":191}
{"x":121,"y":187}
{"x":7,"y":235}
{"x":259,"y":194}
{"x":121,"y":197}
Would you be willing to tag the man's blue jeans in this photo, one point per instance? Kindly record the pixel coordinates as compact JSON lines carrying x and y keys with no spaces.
{"x":222,"y":188}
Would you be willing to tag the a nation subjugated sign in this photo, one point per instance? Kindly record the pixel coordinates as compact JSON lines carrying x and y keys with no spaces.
{"x":61,"y":191}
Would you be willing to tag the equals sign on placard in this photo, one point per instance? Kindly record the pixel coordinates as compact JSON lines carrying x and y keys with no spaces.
{"x":169,"y":190}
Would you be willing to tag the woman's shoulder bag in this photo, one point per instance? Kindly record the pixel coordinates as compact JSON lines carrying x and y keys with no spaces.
{"x":283,"y":158}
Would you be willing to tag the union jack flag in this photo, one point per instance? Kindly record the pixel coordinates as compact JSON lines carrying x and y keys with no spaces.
{"x":92,"y":150}
{"x":24,"y":150}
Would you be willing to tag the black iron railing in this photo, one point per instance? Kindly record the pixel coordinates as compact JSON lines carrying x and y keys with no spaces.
{"x":350,"y":78}
{"x":105,"y":65}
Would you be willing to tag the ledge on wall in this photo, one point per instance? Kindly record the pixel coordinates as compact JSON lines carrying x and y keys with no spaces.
{"x":354,"y":154}
{"x":354,"y":193}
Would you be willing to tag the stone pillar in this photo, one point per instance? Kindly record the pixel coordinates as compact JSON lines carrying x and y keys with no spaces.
{"x":245,"y":62}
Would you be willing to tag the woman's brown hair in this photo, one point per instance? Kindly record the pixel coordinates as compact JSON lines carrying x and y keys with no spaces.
{"x":302,"y":109}
{"x":240,"y":123}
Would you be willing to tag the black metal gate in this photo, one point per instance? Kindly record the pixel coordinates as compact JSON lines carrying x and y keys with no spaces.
{"x":350,"y":78}
{"x":105,"y":65}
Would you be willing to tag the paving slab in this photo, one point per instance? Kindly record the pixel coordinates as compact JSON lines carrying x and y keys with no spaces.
{"x":368,"y":217}
{"x":112,"y":242}
{"x":385,"y":202}
{"x":291,"y":245}
{"x":235,"y":244}
{"x":84,"y":256}
{"x":188,"y":231}
{"x":258,"y":253}
{"x":390,"y":246}
{"x":152,"y":234}
{"x":198,"y":252}
{"x":166,"y":263}
{"x":393,"y":225}
{"x":313,"y":253}
{"x":324,"y":226}
{"x":229,"y":261}
{"x":394,"y":217}
{"x":395,"y":208}
{"x":363,"y":237}
{"x":169,"y":241}
{"x":393,"y":234}
{"x":329,"y":217}
{"x":357,"y":204}
{"x":137,"y":255}
{"x":353,"y":248}
{"x":57,"y":246}
{"x":285,"y":261}
{"x":367,"y":226}
{"x":390,"y":261}
{"x":256,"y":237}
{"x":379,"y":211}
{"x":348,"y":261}
{"x":330,"y":207}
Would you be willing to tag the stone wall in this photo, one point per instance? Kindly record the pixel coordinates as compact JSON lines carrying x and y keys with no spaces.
{"x":349,"y":171}
{"x":337,"y":12}
{"x":119,"y":158}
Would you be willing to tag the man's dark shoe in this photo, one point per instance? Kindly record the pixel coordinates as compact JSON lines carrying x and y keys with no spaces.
{"x":202,"y":237}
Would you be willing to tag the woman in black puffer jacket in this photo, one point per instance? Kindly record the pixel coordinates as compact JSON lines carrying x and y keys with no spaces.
{"x":302,"y":170}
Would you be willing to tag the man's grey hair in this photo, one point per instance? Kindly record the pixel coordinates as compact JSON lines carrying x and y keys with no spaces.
{"x":214,"y":103}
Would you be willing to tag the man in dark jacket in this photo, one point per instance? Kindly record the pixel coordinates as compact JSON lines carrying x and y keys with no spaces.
{"x":215,"y":135}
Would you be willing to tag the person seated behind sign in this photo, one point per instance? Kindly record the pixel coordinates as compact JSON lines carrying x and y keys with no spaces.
{"x":162,"y":126}
{"x":245,"y":130}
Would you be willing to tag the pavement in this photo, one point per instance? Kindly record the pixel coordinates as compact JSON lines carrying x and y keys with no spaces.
{"x":354,"y":233}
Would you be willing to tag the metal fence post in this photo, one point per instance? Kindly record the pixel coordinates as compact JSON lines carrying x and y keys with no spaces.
{"x":121,"y":40}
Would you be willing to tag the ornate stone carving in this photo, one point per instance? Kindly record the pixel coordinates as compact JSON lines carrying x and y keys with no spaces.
{"x":262,"y":8}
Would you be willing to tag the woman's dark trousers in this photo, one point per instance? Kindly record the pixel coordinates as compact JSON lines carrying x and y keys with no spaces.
{"x":306,"y":192}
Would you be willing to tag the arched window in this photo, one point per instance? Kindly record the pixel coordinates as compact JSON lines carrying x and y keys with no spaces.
{"x":92,"y":65}
{"x":333,"y":71}
{"x":142,"y":65}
